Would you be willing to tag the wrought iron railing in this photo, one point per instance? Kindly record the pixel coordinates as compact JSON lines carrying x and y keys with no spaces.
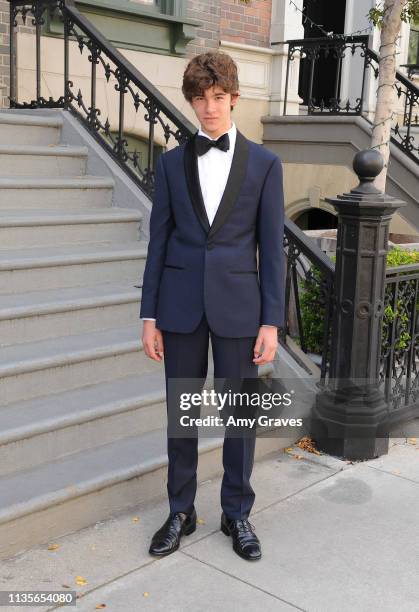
{"x":399,"y":363}
{"x":135,"y":94}
{"x":403,"y":134}
{"x":399,"y":358}
{"x":316,"y":52}
{"x":411,"y":69}
{"x":307,"y":262}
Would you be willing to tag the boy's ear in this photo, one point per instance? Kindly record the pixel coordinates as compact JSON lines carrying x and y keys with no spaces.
{"x":235,"y":97}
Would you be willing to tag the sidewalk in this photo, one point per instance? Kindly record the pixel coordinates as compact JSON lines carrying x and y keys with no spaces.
{"x":335,"y":536}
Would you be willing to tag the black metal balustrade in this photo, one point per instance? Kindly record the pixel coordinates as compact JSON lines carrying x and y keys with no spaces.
{"x":399,"y":359}
{"x":399,"y":364}
{"x":135,"y":92}
{"x":306,"y":260}
{"x":412,"y":70}
{"x":321,"y":55}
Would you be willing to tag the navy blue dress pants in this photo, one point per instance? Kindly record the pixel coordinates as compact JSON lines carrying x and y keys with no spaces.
{"x":186,"y":356}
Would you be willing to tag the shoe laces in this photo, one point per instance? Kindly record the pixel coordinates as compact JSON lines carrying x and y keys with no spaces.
{"x":177,"y":516}
{"x":245,"y":525}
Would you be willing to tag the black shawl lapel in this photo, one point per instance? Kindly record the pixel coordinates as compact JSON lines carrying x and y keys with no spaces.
{"x":192,"y":179}
{"x":234,"y":182}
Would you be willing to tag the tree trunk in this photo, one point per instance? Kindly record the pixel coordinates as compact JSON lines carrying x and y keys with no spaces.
{"x":385,"y":110}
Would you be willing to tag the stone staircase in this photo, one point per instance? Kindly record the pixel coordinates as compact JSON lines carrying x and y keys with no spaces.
{"x":82,"y":409}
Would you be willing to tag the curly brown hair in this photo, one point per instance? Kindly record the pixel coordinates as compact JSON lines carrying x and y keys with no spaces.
{"x":208,"y":69}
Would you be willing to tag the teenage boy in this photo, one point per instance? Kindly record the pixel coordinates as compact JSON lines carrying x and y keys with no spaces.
{"x":218,"y":200}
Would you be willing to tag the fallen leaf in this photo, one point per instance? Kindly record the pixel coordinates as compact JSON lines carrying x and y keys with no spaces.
{"x":100,"y":606}
{"x":53,"y":546}
{"x":135,"y":519}
{"x":200,"y":521}
{"x":306,"y":443}
{"x":80,"y":580}
{"x":66,"y":586}
{"x":146,"y":594}
{"x":288,"y":450}
{"x":412,"y":440}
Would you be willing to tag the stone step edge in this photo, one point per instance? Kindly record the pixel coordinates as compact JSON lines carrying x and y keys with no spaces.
{"x":7,"y":118}
{"x":53,"y":498}
{"x":59,"y":150}
{"x":71,"y":357}
{"x":138,"y":252}
{"x":40,"y":217}
{"x":80,"y":415}
{"x":84,"y":181}
{"x":71,"y":304}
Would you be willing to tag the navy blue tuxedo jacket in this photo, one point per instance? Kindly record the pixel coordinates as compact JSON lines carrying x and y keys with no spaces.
{"x":234,"y":268}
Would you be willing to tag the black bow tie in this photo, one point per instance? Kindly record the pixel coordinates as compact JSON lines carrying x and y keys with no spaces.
{"x":203,"y":144}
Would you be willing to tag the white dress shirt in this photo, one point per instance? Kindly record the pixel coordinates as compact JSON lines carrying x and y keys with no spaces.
{"x":214,"y":168}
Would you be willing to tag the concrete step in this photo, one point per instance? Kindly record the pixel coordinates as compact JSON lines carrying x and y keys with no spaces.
{"x":58,"y":192}
{"x":38,"y":315}
{"x":29,"y":129}
{"x":65,"y":495}
{"x":50,"y":427}
{"x":47,"y":428}
{"x":68,"y":266}
{"x":42,"y":160}
{"x":70,"y":362}
{"x":21,"y":228}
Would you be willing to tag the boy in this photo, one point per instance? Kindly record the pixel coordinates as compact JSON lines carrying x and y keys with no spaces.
{"x":218,"y":198}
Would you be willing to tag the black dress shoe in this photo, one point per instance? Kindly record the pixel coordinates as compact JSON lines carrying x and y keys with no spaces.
{"x":245,"y":541}
{"x":166,"y":540}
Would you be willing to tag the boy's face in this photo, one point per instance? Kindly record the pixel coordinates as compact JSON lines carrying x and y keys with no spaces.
{"x":213,"y":110}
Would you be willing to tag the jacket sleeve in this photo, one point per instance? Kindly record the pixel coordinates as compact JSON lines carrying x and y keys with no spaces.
{"x":161,"y":225}
{"x":270,"y":237}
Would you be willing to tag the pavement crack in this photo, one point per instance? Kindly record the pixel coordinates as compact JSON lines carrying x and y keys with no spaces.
{"x":373,"y":467}
{"x":274,"y":503}
{"x":253,"y":586}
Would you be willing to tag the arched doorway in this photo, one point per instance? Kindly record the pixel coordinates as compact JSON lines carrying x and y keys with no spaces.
{"x":315,"y":218}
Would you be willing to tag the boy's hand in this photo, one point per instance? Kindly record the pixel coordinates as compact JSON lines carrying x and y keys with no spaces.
{"x":268,"y":337}
{"x":152,"y":341}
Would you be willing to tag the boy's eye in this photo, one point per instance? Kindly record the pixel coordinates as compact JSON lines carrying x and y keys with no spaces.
{"x":220,"y":97}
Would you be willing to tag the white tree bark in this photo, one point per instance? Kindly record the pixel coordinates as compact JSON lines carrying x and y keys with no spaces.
{"x":386,"y":93}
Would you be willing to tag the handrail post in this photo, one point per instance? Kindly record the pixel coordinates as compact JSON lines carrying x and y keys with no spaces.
{"x":66,"y":58}
{"x":287,"y":80}
{"x":12,"y":55}
{"x":350,"y":414}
